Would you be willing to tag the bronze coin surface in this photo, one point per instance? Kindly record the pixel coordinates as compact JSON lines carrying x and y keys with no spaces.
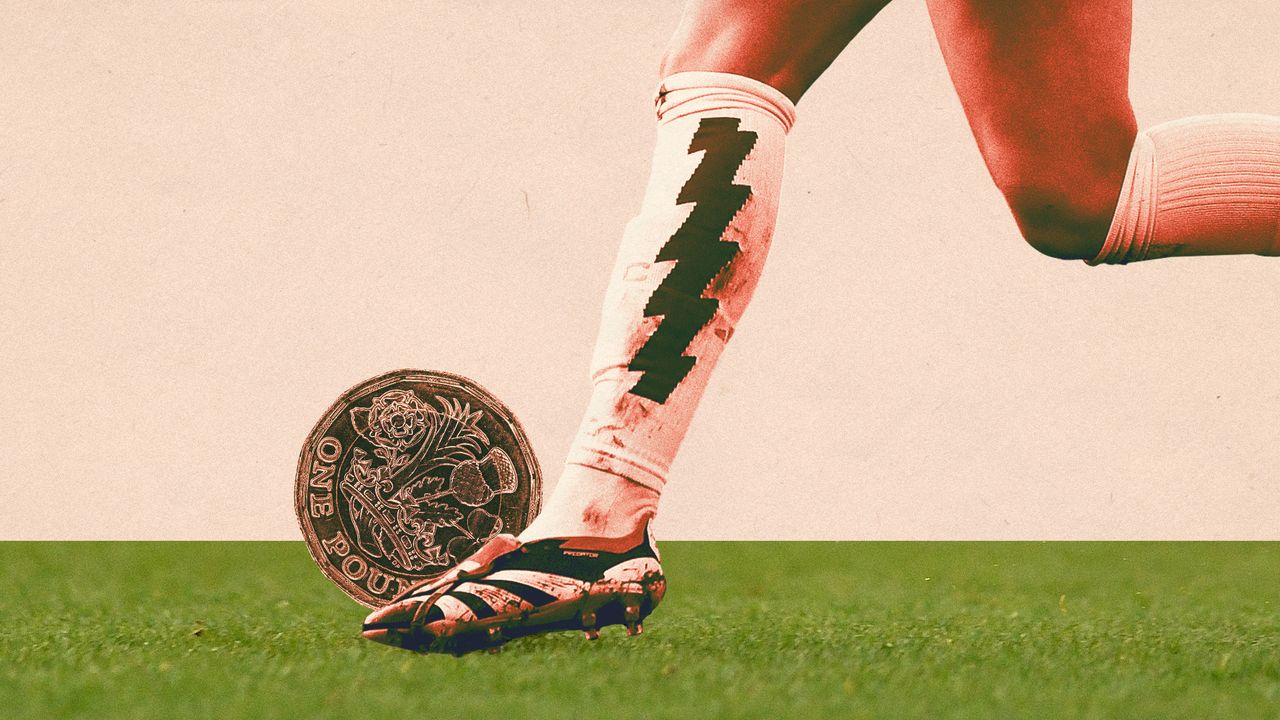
{"x":406,"y":474}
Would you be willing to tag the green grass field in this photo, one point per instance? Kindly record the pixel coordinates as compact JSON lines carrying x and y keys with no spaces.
{"x":761,"y":630}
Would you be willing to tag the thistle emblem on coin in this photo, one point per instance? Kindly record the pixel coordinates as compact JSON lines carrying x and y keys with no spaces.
{"x":406,"y":475}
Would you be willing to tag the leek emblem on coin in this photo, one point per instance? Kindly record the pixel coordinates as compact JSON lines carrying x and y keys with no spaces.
{"x":407,"y":474}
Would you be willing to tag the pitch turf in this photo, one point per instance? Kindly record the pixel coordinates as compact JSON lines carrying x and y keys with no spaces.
{"x":767,"y":630}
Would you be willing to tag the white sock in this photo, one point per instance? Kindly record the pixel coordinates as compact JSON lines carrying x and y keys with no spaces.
{"x":1205,"y":185}
{"x":686,"y":269}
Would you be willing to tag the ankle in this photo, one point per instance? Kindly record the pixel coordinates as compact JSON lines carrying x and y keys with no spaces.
{"x":592,"y":503}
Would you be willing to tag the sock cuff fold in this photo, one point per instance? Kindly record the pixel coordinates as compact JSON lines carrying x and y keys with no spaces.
{"x":686,"y":93}
{"x":1130,"y":233}
{"x":1203,"y":185}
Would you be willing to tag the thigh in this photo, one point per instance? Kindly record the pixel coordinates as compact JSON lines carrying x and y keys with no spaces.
{"x":785,"y":43}
{"x":1045,"y":86}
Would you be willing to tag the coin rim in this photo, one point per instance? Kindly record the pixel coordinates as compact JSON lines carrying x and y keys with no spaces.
{"x":342,"y":403}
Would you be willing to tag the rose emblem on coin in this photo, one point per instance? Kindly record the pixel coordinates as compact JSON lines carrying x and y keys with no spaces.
{"x":407,"y":474}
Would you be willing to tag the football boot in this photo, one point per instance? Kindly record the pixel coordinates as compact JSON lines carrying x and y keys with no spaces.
{"x":509,"y":589}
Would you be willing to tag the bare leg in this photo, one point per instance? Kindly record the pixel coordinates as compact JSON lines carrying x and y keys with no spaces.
{"x":1045,"y":86}
{"x":786,"y":45}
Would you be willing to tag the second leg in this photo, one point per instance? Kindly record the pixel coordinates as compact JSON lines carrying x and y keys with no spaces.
{"x":1045,"y":87}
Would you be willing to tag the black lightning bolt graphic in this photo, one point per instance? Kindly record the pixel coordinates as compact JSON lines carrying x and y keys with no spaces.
{"x":700,"y":256}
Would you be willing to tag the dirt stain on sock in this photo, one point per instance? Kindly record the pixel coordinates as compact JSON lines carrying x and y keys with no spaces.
{"x":594,"y":517}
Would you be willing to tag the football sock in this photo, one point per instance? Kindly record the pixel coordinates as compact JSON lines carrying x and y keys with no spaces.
{"x":1205,"y":185}
{"x":686,"y":269}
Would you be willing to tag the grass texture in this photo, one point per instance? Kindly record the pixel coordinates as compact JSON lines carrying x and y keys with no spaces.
{"x":748,"y":630}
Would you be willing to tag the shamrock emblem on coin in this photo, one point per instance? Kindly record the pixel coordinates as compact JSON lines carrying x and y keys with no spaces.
{"x":396,"y":514}
{"x":406,"y":475}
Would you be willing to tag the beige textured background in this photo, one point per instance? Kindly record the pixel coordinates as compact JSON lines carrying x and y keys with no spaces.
{"x":213,"y":219}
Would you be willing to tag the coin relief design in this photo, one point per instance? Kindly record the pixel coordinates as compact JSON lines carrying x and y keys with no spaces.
{"x":407,"y":474}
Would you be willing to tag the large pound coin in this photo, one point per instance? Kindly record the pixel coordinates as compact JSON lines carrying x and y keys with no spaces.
{"x":405,"y":475}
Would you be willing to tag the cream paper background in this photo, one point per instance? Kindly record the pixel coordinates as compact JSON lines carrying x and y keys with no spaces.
{"x":216,"y":217}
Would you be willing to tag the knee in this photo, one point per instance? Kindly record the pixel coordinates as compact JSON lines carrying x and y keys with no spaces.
{"x":1063,"y":202}
{"x":1062,"y":184}
{"x":1061,"y":222}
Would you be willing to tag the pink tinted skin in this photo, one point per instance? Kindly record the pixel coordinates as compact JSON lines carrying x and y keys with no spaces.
{"x":785,"y":44}
{"x":1044,"y":84}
